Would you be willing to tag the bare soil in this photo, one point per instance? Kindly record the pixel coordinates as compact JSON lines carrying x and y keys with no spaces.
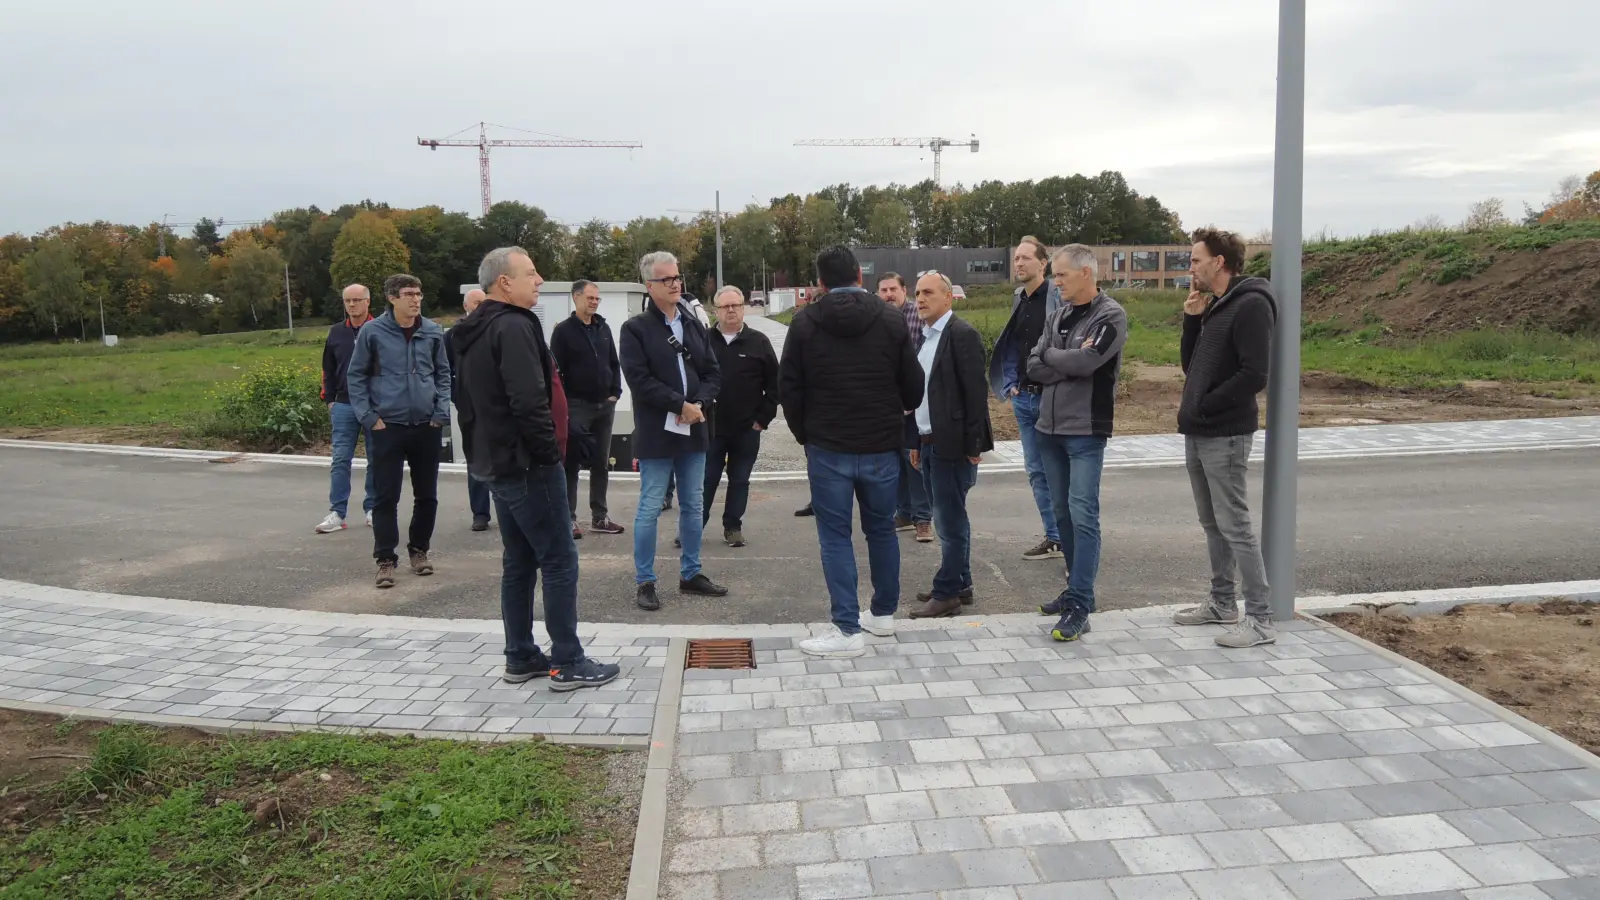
{"x":1541,"y":661}
{"x":1147,"y":403}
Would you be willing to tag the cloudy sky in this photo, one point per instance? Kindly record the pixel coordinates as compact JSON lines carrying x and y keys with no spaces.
{"x":126,"y":111}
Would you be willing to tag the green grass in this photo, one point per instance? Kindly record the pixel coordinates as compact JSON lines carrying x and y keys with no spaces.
{"x":398,"y":818}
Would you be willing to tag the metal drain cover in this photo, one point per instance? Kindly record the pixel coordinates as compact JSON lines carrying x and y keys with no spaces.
{"x":720,"y":653}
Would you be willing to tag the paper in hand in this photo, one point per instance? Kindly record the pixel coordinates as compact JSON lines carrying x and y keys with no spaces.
{"x":676,"y":426}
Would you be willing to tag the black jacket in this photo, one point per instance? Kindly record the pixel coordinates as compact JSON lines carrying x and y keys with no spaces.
{"x":1225,"y":352}
{"x":336,"y":352}
{"x":958,"y":394}
{"x":849,"y":374}
{"x":587,"y":358}
{"x":503,"y":393}
{"x":749,"y":394}
{"x":650,"y":364}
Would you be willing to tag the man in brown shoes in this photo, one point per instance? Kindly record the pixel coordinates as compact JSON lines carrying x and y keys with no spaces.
{"x":952,"y":427}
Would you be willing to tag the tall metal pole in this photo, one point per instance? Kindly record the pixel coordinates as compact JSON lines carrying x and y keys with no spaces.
{"x":102,"y":300}
{"x":1283,"y":385}
{"x":719,"y":240}
{"x":288,"y":301}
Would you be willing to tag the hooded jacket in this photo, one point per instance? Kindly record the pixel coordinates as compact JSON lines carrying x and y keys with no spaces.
{"x":402,"y":382}
{"x":1225,"y":353}
{"x":505,"y":392}
{"x":849,"y":374}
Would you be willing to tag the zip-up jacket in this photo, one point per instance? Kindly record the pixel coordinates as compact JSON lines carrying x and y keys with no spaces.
{"x":1004,"y":370}
{"x":336,"y":352}
{"x":749,"y":394}
{"x":1078,"y":360}
{"x":508,"y":392}
{"x":587,"y":358}
{"x":1225,"y":353}
{"x":403,"y":382}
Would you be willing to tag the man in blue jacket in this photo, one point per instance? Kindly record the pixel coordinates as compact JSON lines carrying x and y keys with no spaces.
{"x":399,"y":385}
{"x":672,"y":371}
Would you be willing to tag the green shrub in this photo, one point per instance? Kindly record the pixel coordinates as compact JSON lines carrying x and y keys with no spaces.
{"x":1461,"y":266}
{"x":271,"y":407}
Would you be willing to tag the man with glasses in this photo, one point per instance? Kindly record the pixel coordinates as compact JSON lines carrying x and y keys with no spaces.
{"x":336,"y":350}
{"x":586,"y":356}
{"x":744,"y":407}
{"x":400,"y":389}
{"x":672,"y":373}
{"x":1036,"y":300}
{"x":912,"y":511}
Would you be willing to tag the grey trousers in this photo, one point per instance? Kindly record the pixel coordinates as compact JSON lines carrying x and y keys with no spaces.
{"x":1217,"y":469}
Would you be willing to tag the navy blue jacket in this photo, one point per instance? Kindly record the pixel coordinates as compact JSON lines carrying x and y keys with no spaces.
{"x":403,"y":382}
{"x":336,"y":352}
{"x":650,"y":364}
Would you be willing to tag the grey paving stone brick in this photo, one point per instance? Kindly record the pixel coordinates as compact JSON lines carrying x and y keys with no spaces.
{"x":1490,"y":791}
{"x":902,"y":806}
{"x":988,"y":772}
{"x":994,"y":868}
{"x":1569,"y":785}
{"x":877,"y":711}
{"x":838,"y":812}
{"x":942,"y":775}
{"x":759,"y":818}
{"x":1250,"y":812}
{"x":761,"y":762}
{"x":715,"y":742}
{"x":923,"y":872}
{"x":872,"y":780}
{"x":1206,"y":731}
{"x":1257,"y":884}
{"x":1411,"y":873}
{"x":1188,"y":817}
{"x":1532,"y":758}
{"x":754,"y":719}
{"x":1062,"y":768}
{"x":802,"y":786}
{"x":1381,"y":743}
{"x":803,"y":848}
{"x":1078,"y":862}
{"x":1195,"y":786}
{"x":1322,"y":881}
{"x":1556,"y":820}
{"x":810,"y":759}
{"x":1194,"y":758}
{"x":1407,"y":799}
{"x":873,"y":841}
{"x":1501,"y":864}
{"x":1136,"y":737}
{"x":1326,"y":774}
{"x":1489,"y":826}
{"x":725,"y":792}
{"x":1405,"y":834}
{"x":1247,"y":847}
{"x":1576,"y":856}
{"x":715,"y":855}
{"x":1151,"y":887}
{"x":1260,"y":727}
{"x":1261,"y":780}
{"x":1467,"y":763}
{"x":952,"y":803}
{"x":914,"y":729}
{"x":1400,"y":768}
{"x":1571,"y":889}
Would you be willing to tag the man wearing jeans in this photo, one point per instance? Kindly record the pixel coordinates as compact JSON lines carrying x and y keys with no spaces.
{"x":952,"y":426}
{"x":672,"y":372}
{"x":336,"y":352}
{"x":512,"y":443}
{"x":586,"y":356}
{"x":1077,"y":359}
{"x":1226,"y":345}
{"x":1035,"y":301}
{"x":911,"y":511}
{"x":400,"y":389}
{"x":849,"y":375}
{"x":745,"y":406}
{"x":477,"y":491}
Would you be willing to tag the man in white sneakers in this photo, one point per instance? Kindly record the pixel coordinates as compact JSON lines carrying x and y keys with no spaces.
{"x":336,"y":352}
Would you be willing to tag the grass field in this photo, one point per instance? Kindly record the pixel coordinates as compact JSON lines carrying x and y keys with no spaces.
{"x":177,"y":815}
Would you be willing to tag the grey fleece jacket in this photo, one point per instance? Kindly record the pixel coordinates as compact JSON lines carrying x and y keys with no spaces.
{"x":1078,"y":360}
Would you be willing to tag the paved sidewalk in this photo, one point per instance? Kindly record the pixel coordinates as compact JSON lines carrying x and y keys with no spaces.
{"x":1143,"y":763}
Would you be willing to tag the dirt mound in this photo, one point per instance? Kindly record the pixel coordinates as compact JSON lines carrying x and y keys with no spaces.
{"x":1486,"y":286}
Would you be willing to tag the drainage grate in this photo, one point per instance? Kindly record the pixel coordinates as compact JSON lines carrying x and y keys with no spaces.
{"x":725,"y":653}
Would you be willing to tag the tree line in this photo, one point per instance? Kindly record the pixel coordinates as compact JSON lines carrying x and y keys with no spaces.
{"x":56,"y":284}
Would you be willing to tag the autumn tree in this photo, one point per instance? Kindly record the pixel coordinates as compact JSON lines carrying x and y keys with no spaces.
{"x":368,"y":250}
{"x":1485,"y":214}
{"x":55,"y":290}
{"x":512,"y":224}
{"x":254,"y":282}
{"x":1581,"y":201}
{"x":889,"y":224}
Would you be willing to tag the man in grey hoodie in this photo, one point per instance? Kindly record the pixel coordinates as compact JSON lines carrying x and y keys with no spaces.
{"x":1077,"y":359}
{"x":400,"y":389}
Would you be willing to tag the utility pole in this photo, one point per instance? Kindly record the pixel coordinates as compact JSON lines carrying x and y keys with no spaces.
{"x":1283,"y":382}
{"x":102,"y":298}
{"x":288,"y":301}
{"x":719,"y":240}
{"x":161,"y":236}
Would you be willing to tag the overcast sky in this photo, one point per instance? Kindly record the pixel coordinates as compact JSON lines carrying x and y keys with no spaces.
{"x":126,"y":111}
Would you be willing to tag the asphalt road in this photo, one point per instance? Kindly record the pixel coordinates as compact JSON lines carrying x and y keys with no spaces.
{"x":242,"y":533}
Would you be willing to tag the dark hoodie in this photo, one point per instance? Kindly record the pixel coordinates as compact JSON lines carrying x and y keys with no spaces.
{"x":849,"y":374}
{"x":1225,"y":352}
{"x":504,"y":391}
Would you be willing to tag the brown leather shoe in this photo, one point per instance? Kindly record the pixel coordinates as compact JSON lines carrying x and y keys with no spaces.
{"x":937,"y":609}
{"x":966,"y":596}
{"x":924,"y":532}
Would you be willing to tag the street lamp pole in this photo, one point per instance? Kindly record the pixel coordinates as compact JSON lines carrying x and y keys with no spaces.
{"x":719,"y":240}
{"x":1283,"y":385}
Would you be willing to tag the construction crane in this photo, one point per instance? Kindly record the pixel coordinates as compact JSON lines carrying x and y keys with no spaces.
{"x":936,"y":144}
{"x":483,"y":143}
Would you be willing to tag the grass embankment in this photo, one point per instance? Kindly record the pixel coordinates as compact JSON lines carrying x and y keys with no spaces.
{"x":339,"y":817}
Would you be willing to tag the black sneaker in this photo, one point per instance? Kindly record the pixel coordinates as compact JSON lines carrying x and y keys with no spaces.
{"x":1074,"y":624}
{"x":1056,"y":607}
{"x":480,"y":523}
{"x":1047,"y":549}
{"x":702,"y":585}
{"x":666,"y":504}
{"x":733,"y":537}
{"x":581,"y":674}
{"x":539,"y":668}
{"x":805,"y":511}
{"x":677,"y":543}
{"x":646,"y":598}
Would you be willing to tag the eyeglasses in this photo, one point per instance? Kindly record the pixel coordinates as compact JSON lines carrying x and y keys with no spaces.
{"x":668,"y":281}
{"x":942,"y":277}
{"x":730,"y":307}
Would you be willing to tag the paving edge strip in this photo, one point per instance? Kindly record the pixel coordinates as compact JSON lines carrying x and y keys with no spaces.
{"x":649,"y":838}
{"x":1527,"y":726}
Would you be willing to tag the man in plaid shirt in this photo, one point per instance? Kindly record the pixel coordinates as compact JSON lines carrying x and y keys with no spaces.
{"x":913,"y":509}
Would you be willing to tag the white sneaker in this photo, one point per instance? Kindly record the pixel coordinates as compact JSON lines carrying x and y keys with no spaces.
{"x":334,"y":522}
{"x":882,"y":626}
{"x":369,"y":518}
{"x":835,"y":644}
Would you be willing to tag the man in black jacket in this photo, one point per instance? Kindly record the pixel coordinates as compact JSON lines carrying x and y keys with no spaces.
{"x":744,"y":407}
{"x":592,"y":376}
{"x":477,"y":491}
{"x":952,"y":427}
{"x":673,"y":375}
{"x":848,"y":377}
{"x":336,"y":350}
{"x":1225,"y":349}
{"x":504,"y":402}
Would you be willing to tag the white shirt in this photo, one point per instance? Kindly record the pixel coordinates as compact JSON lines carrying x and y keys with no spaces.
{"x":730,"y":337}
{"x":930,"y":346}
{"x":676,"y":324}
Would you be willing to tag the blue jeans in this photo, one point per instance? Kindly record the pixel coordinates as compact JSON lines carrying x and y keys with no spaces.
{"x":912,"y":500}
{"x":1025,"y":407}
{"x":947,"y":481}
{"x":837,"y":479}
{"x":537,"y":535}
{"x":690,"y":469}
{"x":478,"y":498}
{"x":1073,"y":464}
{"x":346,"y":428}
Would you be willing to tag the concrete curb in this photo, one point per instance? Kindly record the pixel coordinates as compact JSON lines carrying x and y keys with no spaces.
{"x":1467,"y":695}
{"x":649,"y":837}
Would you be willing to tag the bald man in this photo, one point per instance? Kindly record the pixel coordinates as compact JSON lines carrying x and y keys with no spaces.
{"x":336,"y":352}
{"x":477,"y":491}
